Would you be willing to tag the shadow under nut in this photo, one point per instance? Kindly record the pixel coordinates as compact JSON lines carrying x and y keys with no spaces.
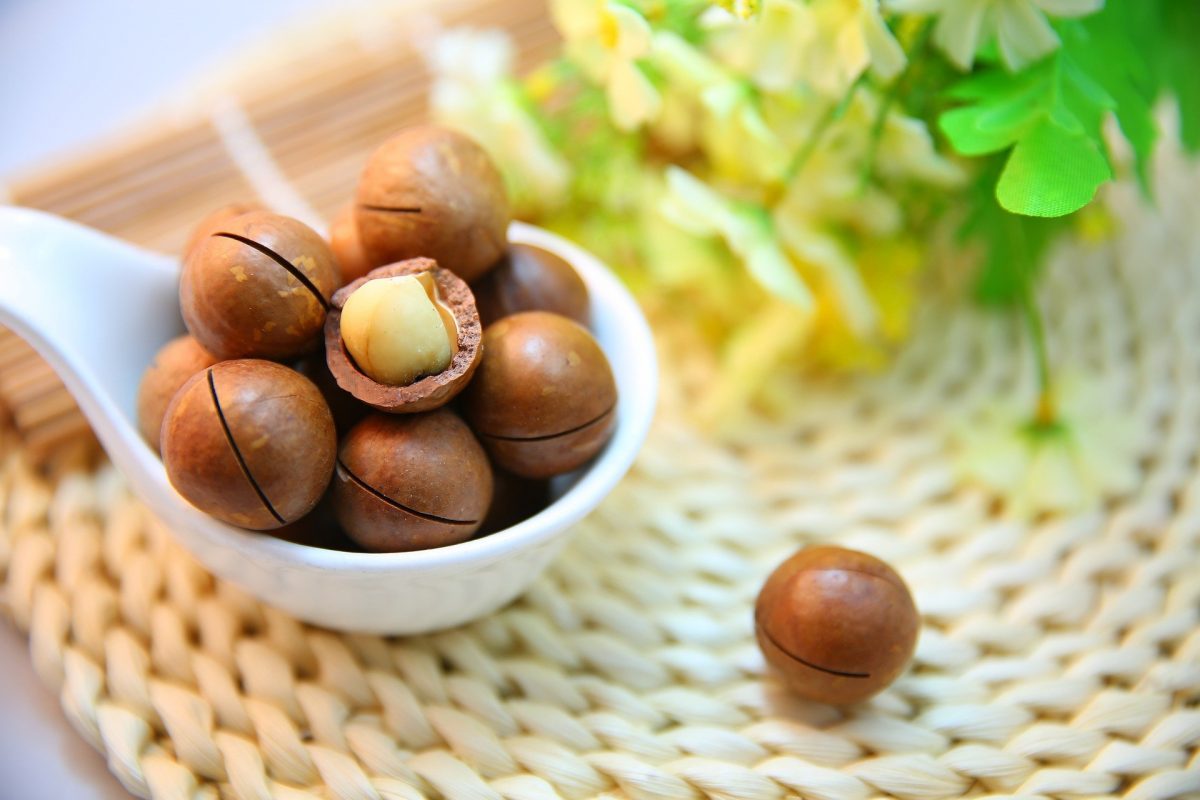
{"x":250,"y":443}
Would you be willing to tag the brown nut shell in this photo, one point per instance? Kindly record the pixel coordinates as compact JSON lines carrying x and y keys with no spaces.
{"x":216,"y":220}
{"x":249,"y":442}
{"x":838,"y":625}
{"x":433,"y":192}
{"x":178,"y":360}
{"x":259,"y":287}
{"x":411,"y":482}
{"x":431,"y":391}
{"x":530,"y":278}
{"x":543,"y":400}
{"x":346,"y":246}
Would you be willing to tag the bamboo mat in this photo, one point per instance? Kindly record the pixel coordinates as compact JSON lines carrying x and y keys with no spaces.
{"x":1059,"y":656}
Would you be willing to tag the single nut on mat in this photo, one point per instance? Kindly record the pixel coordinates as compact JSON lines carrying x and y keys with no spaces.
{"x":543,"y":401}
{"x":432,"y":191}
{"x":258,"y":287}
{"x":346,"y":246}
{"x":404,"y":338}
{"x":216,"y":220}
{"x":249,"y":442}
{"x":529,"y":278}
{"x":411,"y":482}
{"x":178,"y":360}
{"x":396,"y":330}
{"x":838,"y":625}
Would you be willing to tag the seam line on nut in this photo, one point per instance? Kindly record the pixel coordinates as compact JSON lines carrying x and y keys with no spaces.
{"x":840,"y":673}
{"x":281,"y":261}
{"x":546,"y":436}
{"x":390,"y":209}
{"x":237,"y":454}
{"x":366,"y":487}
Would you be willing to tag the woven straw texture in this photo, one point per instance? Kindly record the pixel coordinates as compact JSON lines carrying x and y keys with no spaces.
{"x":1059,"y":657}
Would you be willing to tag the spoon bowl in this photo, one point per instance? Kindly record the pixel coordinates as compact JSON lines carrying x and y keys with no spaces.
{"x":98,"y":309}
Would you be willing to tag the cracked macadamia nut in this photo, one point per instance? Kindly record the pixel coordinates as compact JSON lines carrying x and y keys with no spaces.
{"x":432,"y":192}
{"x":258,"y":287}
{"x":178,"y":360}
{"x":405,"y":338}
{"x":838,"y":625}
{"x":396,"y":330}
{"x":411,"y":482}
{"x":529,"y":278}
{"x":543,"y":400}
{"x":249,"y":442}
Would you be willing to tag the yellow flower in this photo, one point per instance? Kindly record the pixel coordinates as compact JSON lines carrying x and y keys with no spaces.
{"x":1019,"y":26}
{"x":723,"y":114}
{"x":765,"y":50}
{"x":697,"y":208}
{"x":888,"y":272}
{"x":749,"y":357}
{"x":607,"y":40}
{"x":471,"y":90}
{"x":742,"y":9}
{"x":844,"y":39}
{"x":687,"y":73}
{"x":736,"y":138}
{"x":827,"y":44}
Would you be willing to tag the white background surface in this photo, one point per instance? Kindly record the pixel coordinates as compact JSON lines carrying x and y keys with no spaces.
{"x":72,"y":71}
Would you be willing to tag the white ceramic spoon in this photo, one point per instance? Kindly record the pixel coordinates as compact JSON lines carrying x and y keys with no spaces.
{"x":98,"y":309}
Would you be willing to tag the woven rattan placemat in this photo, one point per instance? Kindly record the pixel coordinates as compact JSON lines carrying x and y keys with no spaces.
{"x":1059,"y":656}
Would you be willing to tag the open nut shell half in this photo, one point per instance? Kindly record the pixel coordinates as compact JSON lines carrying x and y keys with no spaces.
{"x":426,"y":393}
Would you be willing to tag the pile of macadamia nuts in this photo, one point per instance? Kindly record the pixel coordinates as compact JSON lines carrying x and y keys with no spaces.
{"x":412,"y":383}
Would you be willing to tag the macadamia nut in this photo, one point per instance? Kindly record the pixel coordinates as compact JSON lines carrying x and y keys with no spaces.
{"x":397,"y":331}
{"x":250,"y":442}
{"x":838,"y":625}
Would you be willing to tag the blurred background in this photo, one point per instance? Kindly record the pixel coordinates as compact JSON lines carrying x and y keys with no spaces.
{"x":73,"y":70}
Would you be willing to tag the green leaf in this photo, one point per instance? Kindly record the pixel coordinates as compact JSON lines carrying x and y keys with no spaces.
{"x":1051,"y":172}
{"x":1052,"y":115}
{"x":1105,"y":48}
{"x":1179,"y":64}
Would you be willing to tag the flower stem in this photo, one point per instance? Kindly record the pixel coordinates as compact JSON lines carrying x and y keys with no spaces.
{"x":831,"y":115}
{"x":1045,"y":414}
{"x":920,"y":42}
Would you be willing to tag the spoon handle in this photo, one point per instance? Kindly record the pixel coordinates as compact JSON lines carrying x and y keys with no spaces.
{"x":85,"y":299}
{"x":95,"y":308}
